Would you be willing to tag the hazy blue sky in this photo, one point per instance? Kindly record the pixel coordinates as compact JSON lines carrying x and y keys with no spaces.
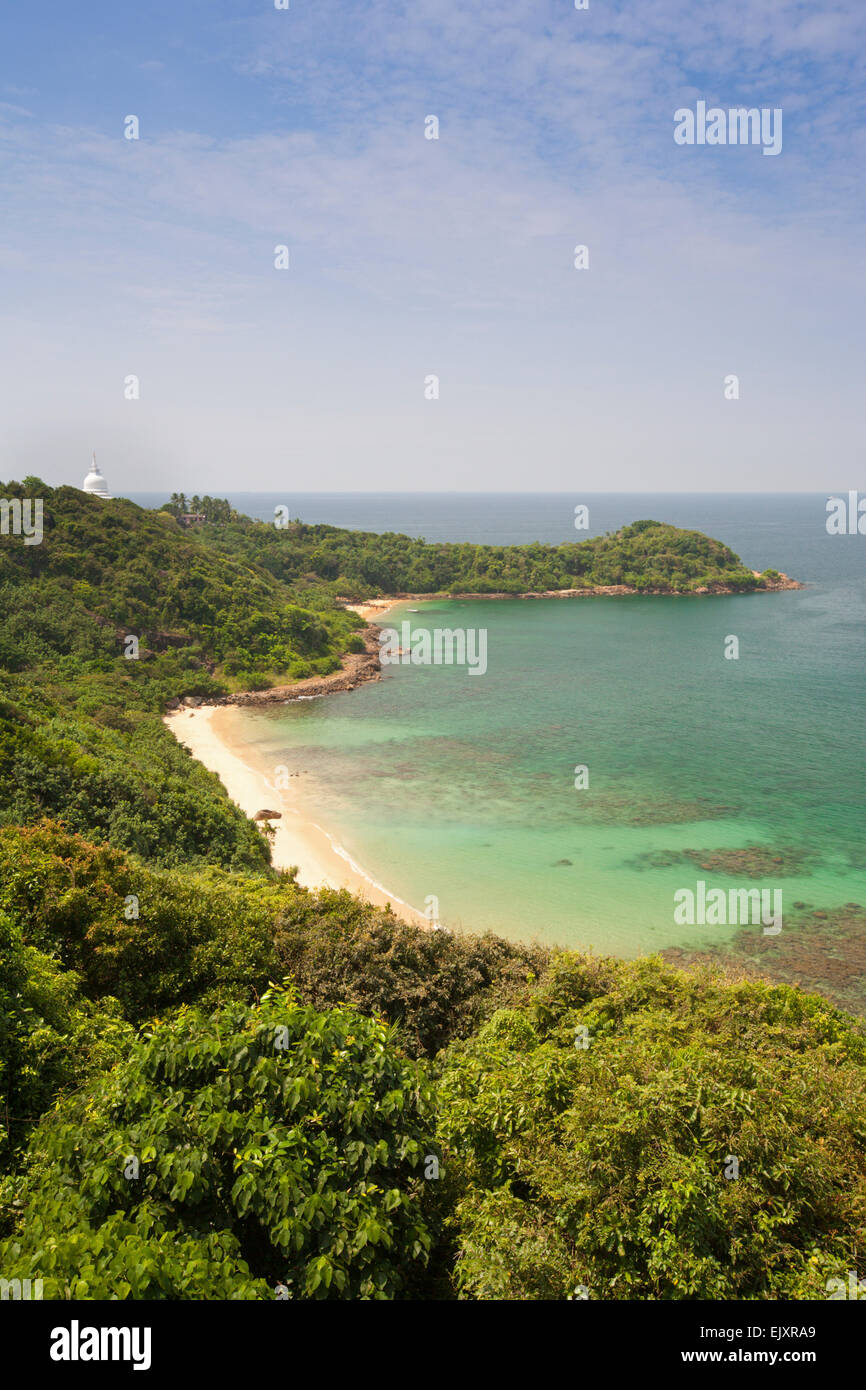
{"x":412,"y":256}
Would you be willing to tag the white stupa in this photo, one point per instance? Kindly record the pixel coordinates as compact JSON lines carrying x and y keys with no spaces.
{"x":94,"y":482}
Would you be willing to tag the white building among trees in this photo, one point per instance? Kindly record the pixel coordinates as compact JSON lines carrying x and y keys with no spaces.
{"x":94,"y":482}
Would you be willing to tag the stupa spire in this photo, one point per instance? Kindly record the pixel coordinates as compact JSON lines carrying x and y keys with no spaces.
{"x":94,"y":483}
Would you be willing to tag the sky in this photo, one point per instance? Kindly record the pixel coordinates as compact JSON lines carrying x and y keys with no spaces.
{"x":411,"y":258}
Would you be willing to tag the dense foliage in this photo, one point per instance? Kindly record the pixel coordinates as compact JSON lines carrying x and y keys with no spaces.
{"x":647,"y":556}
{"x":106,"y":569}
{"x":209,"y":936}
{"x":586,"y":1110}
{"x":641,"y":1133}
{"x":51,"y":1036}
{"x":257,"y":1147}
{"x":80,"y":730}
{"x":433,"y":985}
{"x":93,"y":943}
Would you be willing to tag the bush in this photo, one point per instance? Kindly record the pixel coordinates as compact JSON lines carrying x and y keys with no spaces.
{"x":228,"y":1154}
{"x":609,"y":1167}
{"x":435,"y":986}
{"x":51,"y":1038}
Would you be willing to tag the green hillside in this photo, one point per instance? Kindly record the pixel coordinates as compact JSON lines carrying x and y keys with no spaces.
{"x":215,"y":1084}
{"x":648,"y":555}
{"x":232,"y":605}
{"x":80,"y":730}
{"x":450,"y":1116}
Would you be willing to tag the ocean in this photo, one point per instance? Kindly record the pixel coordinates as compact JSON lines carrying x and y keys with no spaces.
{"x":460,"y":793}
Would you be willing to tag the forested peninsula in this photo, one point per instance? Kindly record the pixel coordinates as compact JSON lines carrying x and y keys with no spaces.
{"x":215,"y":1084}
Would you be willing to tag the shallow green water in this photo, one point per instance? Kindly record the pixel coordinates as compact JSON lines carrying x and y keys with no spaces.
{"x":463,"y":786}
{"x":441,"y":783}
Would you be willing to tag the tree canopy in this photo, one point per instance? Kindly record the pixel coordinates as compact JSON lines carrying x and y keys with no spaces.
{"x":225,"y":1155}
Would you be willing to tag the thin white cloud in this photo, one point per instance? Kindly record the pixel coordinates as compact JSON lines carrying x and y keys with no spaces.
{"x":455,"y":256}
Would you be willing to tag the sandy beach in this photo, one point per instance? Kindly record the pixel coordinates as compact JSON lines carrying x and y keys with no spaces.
{"x":372,"y":609}
{"x":210,"y":733}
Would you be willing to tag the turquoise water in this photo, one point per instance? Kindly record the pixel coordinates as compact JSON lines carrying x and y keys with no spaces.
{"x":458,"y":786}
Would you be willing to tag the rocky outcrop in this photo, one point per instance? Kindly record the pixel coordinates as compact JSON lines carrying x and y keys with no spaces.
{"x":780,"y":581}
{"x":355,"y":668}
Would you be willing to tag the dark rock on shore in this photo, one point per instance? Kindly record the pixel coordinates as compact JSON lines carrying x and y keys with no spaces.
{"x":356,"y":668}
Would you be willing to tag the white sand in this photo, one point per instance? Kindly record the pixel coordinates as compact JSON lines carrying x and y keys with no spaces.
{"x":321,"y":862}
{"x":374,"y":608}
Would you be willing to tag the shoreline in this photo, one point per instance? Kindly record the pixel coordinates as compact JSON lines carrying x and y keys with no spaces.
{"x":373,"y":607}
{"x":355,"y":669}
{"x":299,"y":841}
{"x":358,"y":667}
